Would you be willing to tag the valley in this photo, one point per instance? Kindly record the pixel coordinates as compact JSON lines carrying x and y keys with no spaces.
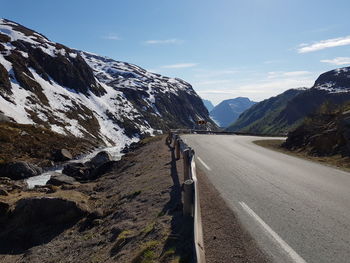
{"x":102,"y":160}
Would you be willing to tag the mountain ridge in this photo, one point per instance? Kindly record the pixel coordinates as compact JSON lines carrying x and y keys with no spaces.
{"x":86,"y":95}
{"x":332,"y":86}
{"x":227,"y":111}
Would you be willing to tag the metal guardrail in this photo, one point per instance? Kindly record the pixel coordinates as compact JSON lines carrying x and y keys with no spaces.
{"x":191,"y":206}
{"x":191,"y":131}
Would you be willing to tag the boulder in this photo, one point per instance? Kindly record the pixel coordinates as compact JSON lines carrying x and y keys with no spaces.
{"x":4,"y":207}
{"x":48,"y":210}
{"x":62,"y":155}
{"x":4,"y":118}
{"x":3,"y":192}
{"x":58,"y":179}
{"x":102,"y":169}
{"x":19,"y":170}
{"x":79,"y":171}
{"x":37,"y":220}
{"x":101,"y":158}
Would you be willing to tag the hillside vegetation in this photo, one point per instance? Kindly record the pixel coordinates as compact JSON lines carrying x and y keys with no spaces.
{"x":37,"y":145}
{"x":325,"y":133}
{"x":264,"y":117}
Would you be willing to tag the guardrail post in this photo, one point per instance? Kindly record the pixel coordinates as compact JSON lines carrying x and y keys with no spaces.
{"x":186,"y":159}
{"x":188,"y":198}
{"x":175,"y":136}
{"x":177,"y":148}
{"x":170,"y":137}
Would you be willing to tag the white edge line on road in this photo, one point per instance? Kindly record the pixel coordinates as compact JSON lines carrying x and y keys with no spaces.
{"x":294,"y":255}
{"x":204,"y":164}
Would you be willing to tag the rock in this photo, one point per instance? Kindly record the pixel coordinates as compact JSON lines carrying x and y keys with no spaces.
{"x":19,"y":170}
{"x":51,"y":210}
{"x":3,"y":192}
{"x":23,"y":133}
{"x":4,"y":207}
{"x":58,"y":179}
{"x":5,"y":180}
{"x":96,"y":222}
{"x":125,"y":149}
{"x":62,"y":155}
{"x":37,"y":220}
{"x":102,"y":169}
{"x":101,"y":158}
{"x":68,"y":187}
{"x":4,"y":118}
{"x":79,"y":171}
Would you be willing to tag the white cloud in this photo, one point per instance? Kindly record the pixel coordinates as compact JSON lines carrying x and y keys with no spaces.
{"x":181,"y":65}
{"x":334,"y":42}
{"x":112,"y":36}
{"x":282,"y":74}
{"x":164,"y":41}
{"x":337,"y":61}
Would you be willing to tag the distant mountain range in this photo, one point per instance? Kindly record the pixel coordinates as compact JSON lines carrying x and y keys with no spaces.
{"x":86,"y":95}
{"x":227,"y":112}
{"x":283,"y":113}
{"x":208,"y":104}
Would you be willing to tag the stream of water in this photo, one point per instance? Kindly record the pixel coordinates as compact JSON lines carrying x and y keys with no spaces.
{"x":45,"y":176}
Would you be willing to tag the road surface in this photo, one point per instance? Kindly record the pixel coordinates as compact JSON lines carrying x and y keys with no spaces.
{"x":297,"y":210}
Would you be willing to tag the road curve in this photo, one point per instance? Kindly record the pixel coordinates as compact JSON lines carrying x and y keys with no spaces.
{"x":297,"y":210}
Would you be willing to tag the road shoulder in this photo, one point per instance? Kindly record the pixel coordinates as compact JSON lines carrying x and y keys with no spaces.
{"x":225,"y":239}
{"x":335,"y":161}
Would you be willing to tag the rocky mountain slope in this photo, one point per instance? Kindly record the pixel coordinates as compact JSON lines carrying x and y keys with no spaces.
{"x":85,"y":95}
{"x":323,"y":134}
{"x":283,"y":113}
{"x":228,"y":111}
{"x":261,"y":117}
{"x":208,"y":104}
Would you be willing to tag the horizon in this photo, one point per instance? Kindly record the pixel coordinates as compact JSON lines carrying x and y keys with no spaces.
{"x":256,"y":50}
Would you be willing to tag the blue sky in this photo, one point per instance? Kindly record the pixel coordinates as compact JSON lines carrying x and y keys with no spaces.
{"x":224,"y":48}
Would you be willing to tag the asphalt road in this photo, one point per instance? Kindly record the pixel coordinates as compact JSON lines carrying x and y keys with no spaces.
{"x":297,"y":210}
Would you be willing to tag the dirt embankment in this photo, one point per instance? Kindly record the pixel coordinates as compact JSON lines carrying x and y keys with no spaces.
{"x":131,"y":214}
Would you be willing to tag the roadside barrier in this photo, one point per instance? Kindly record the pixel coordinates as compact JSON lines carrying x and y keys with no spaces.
{"x":191,"y":131}
{"x":191,"y":205}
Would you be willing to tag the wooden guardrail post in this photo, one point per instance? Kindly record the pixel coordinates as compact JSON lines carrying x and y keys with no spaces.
{"x":188,"y":198}
{"x":177,"y":149}
{"x":175,"y":137}
{"x":186,"y":160}
{"x":169,"y":138}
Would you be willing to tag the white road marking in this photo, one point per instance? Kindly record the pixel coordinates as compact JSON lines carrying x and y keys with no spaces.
{"x":204,"y":164}
{"x":294,"y":255}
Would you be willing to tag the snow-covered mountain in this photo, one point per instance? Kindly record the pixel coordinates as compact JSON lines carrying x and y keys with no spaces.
{"x":334,"y":81}
{"x":82,"y":94}
{"x":228,"y":111}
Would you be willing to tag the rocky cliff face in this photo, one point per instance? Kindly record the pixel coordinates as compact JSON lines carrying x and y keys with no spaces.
{"x":85,"y":95}
{"x":323,"y":134}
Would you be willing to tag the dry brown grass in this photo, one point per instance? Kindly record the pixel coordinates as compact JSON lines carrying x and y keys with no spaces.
{"x":36,"y":144}
{"x":336,"y":161}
